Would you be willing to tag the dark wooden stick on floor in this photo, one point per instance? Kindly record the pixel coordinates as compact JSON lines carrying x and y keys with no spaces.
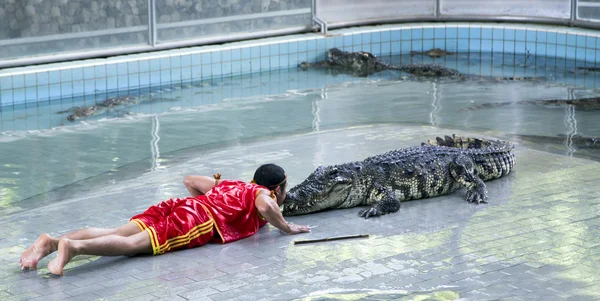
{"x":297,"y":242}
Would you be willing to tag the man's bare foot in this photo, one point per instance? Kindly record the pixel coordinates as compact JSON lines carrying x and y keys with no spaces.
{"x":42,"y":246}
{"x":65,"y":253}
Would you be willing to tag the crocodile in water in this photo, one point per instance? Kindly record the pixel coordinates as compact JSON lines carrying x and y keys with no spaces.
{"x":364,"y":63}
{"x":584,"y":104}
{"x":435,"y":52}
{"x":79,"y":112}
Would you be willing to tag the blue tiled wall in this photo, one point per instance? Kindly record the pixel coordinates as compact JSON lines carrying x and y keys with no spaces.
{"x":42,"y":83}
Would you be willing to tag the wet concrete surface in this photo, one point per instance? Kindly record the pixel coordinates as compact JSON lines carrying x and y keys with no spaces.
{"x":537,"y":239}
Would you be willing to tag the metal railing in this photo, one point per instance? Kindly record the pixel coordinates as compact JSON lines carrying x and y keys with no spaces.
{"x":206,"y":22}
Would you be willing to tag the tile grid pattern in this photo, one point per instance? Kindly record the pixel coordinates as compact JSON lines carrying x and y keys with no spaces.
{"x":39,"y":84}
{"x":537,"y":240}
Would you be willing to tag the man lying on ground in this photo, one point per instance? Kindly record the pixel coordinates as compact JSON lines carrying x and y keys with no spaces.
{"x":217,"y":210}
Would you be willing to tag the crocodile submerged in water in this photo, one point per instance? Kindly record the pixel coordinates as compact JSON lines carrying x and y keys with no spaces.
{"x":79,"y":112}
{"x":575,"y":141}
{"x":584,"y":104}
{"x":591,"y":69}
{"x":364,"y":63}
{"x":435,"y":52}
{"x":383,"y":181}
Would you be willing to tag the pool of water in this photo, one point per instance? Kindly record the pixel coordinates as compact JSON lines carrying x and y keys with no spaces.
{"x":46,"y":158}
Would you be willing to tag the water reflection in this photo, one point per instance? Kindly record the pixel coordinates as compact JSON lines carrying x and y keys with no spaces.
{"x":154,"y":144}
{"x":435,"y":104}
{"x":370,"y":294}
{"x":41,"y":156}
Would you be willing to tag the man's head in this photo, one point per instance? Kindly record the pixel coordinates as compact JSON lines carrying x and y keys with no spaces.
{"x":274,"y":178}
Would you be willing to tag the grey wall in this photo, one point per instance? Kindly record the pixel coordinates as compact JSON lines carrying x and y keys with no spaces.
{"x":30,"y":18}
{"x":31,"y":28}
{"x":39,"y":27}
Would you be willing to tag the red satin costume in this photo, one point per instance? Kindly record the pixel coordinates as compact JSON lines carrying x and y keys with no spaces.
{"x":227,"y":208}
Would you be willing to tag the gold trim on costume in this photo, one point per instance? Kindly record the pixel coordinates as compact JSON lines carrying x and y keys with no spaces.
{"x":151,"y":233}
{"x":153,"y":240}
{"x":213,"y":218}
{"x":140,"y":224}
{"x":181,"y":240}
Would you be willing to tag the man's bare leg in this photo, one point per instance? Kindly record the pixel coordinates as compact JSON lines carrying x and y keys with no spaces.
{"x":89,"y":233}
{"x":46,"y":244}
{"x":108,"y":245}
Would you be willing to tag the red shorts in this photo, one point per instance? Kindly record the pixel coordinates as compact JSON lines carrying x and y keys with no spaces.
{"x":176,"y":224}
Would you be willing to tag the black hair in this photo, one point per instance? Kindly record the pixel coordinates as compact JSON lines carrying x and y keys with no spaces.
{"x":270,"y":175}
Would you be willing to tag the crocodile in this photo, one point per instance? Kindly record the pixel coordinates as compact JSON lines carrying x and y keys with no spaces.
{"x":383,"y":181}
{"x":87,"y":111}
{"x":364,"y":63}
{"x":584,"y":104}
{"x":79,"y":112}
{"x":109,"y":103}
{"x":591,"y":69}
{"x":576,"y":141}
{"x":435,"y":52}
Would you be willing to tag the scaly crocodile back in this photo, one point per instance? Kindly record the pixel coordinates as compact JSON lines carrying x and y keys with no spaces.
{"x":426,"y":69}
{"x":469,"y":143}
{"x":493,"y":158}
{"x":584,"y":104}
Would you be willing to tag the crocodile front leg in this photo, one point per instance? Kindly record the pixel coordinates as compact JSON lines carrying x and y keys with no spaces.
{"x":462,"y":170}
{"x":385,"y":202}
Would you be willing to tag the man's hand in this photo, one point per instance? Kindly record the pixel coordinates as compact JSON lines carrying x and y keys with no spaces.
{"x":296,"y":229}
{"x":269,"y":209}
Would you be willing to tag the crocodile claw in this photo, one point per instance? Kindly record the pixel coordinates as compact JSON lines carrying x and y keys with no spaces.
{"x":371,"y":212}
{"x":477,"y":196}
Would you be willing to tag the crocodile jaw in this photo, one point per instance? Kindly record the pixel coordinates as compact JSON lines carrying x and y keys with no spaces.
{"x":302,"y":203}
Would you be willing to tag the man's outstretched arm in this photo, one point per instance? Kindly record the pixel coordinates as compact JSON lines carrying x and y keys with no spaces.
{"x":199,"y":185}
{"x":269,"y":209}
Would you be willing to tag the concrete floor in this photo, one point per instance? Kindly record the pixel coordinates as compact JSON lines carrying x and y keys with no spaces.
{"x":537,"y":239}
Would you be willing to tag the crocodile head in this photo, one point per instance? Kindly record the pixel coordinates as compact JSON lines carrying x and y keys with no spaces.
{"x":338,"y":56}
{"x":361,"y":62}
{"x":327,"y":187}
{"x":82,"y":112}
{"x":335,"y":54}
